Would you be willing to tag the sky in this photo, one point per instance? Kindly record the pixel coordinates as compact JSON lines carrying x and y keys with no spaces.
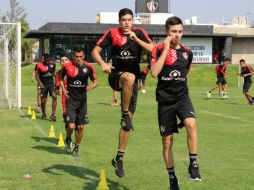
{"x":207,"y":11}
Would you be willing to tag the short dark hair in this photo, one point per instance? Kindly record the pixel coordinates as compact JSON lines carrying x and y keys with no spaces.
{"x":242,"y":60}
{"x":227,"y":59}
{"x":78,"y":49}
{"x":171,"y":21}
{"x":124,"y":11}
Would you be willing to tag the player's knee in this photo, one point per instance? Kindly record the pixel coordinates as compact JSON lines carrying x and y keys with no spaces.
{"x":80,"y":127}
{"x":129,"y":78}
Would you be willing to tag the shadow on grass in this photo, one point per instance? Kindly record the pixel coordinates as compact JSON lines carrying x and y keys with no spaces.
{"x":47,"y":139}
{"x":50,"y":149}
{"x":103,"y":103}
{"x":90,"y":176}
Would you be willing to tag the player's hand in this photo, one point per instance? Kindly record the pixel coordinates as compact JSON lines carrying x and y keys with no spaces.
{"x":41,"y":85}
{"x":65,"y":93}
{"x":32,"y":80}
{"x":131,"y":34}
{"x":107,"y":68}
{"x":166,"y":43}
{"x":58,"y":92}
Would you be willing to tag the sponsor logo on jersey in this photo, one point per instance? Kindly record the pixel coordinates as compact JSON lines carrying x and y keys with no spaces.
{"x":152,"y":6}
{"x":173,"y":75}
{"x":125,"y":54}
{"x":77,"y":84}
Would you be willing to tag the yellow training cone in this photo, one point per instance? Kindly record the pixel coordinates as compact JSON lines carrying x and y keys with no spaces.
{"x":103,"y":182}
{"x":29,"y":110}
{"x":52,"y":132}
{"x":33,"y":115}
{"x":61,"y":141}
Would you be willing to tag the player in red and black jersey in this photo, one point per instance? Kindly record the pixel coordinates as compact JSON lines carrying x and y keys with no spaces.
{"x":142,"y":80}
{"x":246,"y":72}
{"x":77,"y":71}
{"x":126,"y":44}
{"x":45,"y":77}
{"x":221,"y":83}
{"x":171,"y":63}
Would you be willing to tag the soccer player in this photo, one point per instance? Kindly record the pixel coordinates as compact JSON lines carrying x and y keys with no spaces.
{"x":221,"y":79}
{"x":77,"y":71}
{"x":142,"y":80}
{"x":45,"y":77}
{"x":246,"y":72}
{"x":126,"y":44}
{"x":171,"y":63}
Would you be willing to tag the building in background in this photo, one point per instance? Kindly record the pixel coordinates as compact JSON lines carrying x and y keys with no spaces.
{"x":204,"y":40}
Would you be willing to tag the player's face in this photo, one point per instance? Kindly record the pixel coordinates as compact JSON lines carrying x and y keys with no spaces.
{"x":64,"y":60}
{"x":176,"y":31}
{"x":78,"y":57}
{"x":126,"y":22}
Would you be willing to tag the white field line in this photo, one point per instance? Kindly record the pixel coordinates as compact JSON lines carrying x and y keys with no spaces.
{"x":225,"y":116}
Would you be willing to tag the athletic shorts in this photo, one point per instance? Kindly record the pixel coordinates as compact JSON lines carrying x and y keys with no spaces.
{"x":114,"y":82}
{"x":46,"y":90}
{"x":221,"y":80}
{"x":246,"y":86}
{"x":169,"y":111}
{"x":76,"y":112}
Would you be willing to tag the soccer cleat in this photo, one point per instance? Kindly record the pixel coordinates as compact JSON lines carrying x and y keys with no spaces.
{"x":68,"y":146}
{"x":126,"y":122}
{"x":75,"y":152}
{"x":53,"y":117}
{"x":143,"y":91}
{"x":174,"y":184}
{"x":44,"y":117}
{"x":209,"y":94}
{"x":114,"y":103}
{"x":224,"y":96}
{"x":193,"y":172}
{"x":118,"y":164}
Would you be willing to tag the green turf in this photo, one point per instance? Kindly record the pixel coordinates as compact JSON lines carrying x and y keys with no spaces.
{"x":225,"y":142}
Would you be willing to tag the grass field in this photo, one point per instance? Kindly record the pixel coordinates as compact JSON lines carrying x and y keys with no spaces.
{"x":225,"y":128}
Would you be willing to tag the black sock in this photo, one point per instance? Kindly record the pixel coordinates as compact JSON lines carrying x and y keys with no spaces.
{"x":193,"y":158}
{"x":171,"y":173}
{"x":119,"y":155}
{"x":125,"y":112}
{"x":76,"y":146}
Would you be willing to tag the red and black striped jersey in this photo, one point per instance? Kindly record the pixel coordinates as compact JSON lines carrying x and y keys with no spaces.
{"x":125,"y":52}
{"x":221,"y":69}
{"x":246,"y":70}
{"x":172,"y":80}
{"x":46,"y":73}
{"x":77,"y":79}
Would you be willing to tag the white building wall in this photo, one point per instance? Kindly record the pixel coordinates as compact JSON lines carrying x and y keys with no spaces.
{"x":108,"y":17}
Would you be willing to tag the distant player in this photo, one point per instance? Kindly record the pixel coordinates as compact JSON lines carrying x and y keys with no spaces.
{"x":246,"y":72}
{"x":45,"y":77}
{"x":142,"y":80}
{"x":221,"y":79}
{"x":78,"y":72}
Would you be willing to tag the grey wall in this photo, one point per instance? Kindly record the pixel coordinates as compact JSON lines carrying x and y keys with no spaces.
{"x":162,"y":6}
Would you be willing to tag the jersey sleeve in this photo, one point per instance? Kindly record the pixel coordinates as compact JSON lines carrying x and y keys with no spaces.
{"x":58,"y":79}
{"x":250,"y":69}
{"x":92,"y":74}
{"x":63,"y":73}
{"x":144,"y":36}
{"x":105,"y":40}
{"x":190,"y":58}
{"x":155,"y":55}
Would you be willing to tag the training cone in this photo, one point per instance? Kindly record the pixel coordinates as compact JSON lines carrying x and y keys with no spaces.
{"x":103,"y":182}
{"x":52,"y":132}
{"x":33,"y":115}
{"x":29,"y":110}
{"x":60,"y":141}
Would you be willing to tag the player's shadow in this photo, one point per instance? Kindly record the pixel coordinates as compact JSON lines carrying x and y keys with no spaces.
{"x":50,"y":149}
{"x":47,"y":139}
{"x":103,"y":103}
{"x":90,"y":176}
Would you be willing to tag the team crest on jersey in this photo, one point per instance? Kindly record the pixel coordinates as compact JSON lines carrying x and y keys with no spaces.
{"x":152,"y":6}
{"x":85,"y":70}
{"x":51,"y":66}
{"x":185,"y":55}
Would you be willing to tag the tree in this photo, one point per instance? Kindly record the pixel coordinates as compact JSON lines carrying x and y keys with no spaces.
{"x":18,"y":13}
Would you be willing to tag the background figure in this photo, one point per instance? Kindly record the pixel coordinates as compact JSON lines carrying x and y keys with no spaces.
{"x":142,"y":80}
{"x":126,"y":44}
{"x":221,"y":79}
{"x":45,"y":77}
{"x":115,"y":95}
{"x":171,"y":64}
{"x":246,"y":72}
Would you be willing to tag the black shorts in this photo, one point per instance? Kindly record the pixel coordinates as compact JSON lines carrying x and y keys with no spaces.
{"x":114,"y":82}
{"x":246,"y":86}
{"x":221,"y":80}
{"x":46,"y":90}
{"x":169,"y":111}
{"x":76,"y":112}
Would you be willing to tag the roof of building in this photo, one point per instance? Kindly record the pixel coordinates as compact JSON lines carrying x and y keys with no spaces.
{"x":58,"y":28}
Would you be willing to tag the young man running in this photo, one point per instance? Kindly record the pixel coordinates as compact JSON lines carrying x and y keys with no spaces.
{"x":126,"y":44}
{"x":77,"y":71}
{"x":170,"y":64}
